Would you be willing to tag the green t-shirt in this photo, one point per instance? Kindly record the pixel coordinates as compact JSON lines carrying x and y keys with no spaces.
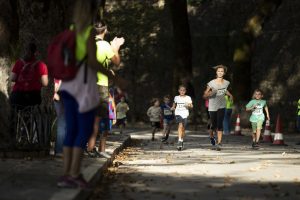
{"x":299,"y":107}
{"x":104,"y":54}
{"x":258,"y":112}
{"x":229,"y":102}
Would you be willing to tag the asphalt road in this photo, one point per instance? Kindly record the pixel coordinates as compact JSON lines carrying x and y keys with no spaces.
{"x":152,"y":170}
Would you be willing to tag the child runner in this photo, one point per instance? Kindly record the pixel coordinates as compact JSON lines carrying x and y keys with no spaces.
{"x":256,"y":105}
{"x":154,"y":114}
{"x":215,"y":91}
{"x":168,"y":118}
{"x":122,"y":109}
{"x":182,"y":104}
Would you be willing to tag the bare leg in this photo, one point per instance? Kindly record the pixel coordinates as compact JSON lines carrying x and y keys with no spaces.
{"x":93,"y":138}
{"x":258,"y":131}
{"x":180,"y":126}
{"x":103,"y":141}
{"x":67,"y":159}
{"x":253,"y":137}
{"x":220,"y":133}
{"x":77,"y":154}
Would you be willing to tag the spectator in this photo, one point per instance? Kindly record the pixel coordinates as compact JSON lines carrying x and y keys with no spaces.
{"x":81,"y":99}
{"x":29,"y":75}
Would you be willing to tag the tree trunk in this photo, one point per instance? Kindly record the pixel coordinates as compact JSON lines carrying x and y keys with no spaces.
{"x":182,"y":41}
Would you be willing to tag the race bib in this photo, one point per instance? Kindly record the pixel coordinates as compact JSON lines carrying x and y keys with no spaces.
{"x":221,"y":92}
{"x":258,"y":110}
{"x":167,"y":112}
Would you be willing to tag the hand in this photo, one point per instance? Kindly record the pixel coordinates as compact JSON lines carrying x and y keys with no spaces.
{"x":56,"y":97}
{"x":117,"y":42}
{"x":114,"y":121}
{"x":213,"y":92}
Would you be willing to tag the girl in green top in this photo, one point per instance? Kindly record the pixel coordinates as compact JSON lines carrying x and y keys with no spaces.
{"x":256,"y":105}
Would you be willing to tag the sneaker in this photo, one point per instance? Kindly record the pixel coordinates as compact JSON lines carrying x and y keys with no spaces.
{"x":164,"y":139}
{"x":218,"y":147}
{"x":65,"y":182}
{"x":92,"y":154}
{"x":180,"y":145}
{"x":213,"y":141}
{"x":80,"y":182}
{"x":152,"y":139}
{"x":104,"y":155}
{"x":255,"y":145}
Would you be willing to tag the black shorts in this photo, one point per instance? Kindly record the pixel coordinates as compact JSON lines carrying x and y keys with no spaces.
{"x":217,"y":118}
{"x":121,"y":122}
{"x":155,"y":124}
{"x":182,"y":120}
{"x":23,"y":99}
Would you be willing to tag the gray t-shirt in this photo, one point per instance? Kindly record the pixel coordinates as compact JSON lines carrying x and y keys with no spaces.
{"x":217,"y":100}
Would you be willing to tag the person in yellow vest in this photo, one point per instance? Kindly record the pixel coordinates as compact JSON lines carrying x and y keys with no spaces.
{"x":106,"y":53}
{"x":227,"y":115}
{"x":298,"y":117}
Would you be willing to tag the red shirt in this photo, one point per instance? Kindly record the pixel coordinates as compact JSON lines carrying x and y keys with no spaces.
{"x":29,"y":75}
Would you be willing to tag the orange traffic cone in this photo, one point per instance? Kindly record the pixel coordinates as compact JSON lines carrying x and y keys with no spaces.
{"x":278,"y":138}
{"x":237,"y":129}
{"x":267,"y":133}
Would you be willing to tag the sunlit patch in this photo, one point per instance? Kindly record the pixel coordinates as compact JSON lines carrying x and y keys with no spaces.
{"x":242,"y":54}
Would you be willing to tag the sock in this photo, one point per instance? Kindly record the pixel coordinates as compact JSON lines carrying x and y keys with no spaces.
{"x":180,"y":140}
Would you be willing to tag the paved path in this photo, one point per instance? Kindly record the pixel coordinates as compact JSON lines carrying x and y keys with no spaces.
{"x":35,"y":178}
{"x":150,"y":170}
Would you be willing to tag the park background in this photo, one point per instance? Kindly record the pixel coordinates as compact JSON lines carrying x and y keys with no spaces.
{"x":165,"y":39}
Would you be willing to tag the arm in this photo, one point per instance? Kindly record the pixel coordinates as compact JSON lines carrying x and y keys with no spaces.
{"x":250,"y":107}
{"x":173,"y":106}
{"x":44,"y":80}
{"x":207,"y":92}
{"x":115,"y":44}
{"x":267,"y":112}
{"x":149,"y":112}
{"x":230,"y":95}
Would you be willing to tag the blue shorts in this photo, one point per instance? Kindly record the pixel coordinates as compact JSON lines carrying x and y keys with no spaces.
{"x":105,"y":124}
{"x":179,"y":119}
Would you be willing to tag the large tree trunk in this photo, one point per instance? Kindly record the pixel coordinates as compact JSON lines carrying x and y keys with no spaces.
{"x":182,"y":40}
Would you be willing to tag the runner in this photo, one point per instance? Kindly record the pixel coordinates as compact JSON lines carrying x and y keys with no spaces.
{"x":256,"y":105}
{"x":168,"y":117}
{"x":215,"y":92}
{"x":182,"y":104}
{"x":154,"y":114}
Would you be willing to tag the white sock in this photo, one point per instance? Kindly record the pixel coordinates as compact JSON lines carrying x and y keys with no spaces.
{"x":180,"y":140}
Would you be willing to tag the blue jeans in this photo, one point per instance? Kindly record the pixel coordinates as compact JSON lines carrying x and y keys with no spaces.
{"x":79,"y":125}
{"x":61,"y":126}
{"x":227,"y":121}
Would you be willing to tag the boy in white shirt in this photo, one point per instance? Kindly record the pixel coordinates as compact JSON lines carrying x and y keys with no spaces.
{"x":182,"y":104}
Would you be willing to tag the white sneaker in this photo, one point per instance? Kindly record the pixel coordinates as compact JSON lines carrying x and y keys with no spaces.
{"x":104,"y":155}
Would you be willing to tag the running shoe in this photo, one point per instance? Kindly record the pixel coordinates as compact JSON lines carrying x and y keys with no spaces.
{"x":180,"y":145}
{"x":164,"y":139}
{"x":80,"y":182}
{"x":213,"y":141}
{"x":104,"y":155}
{"x":218,"y":147}
{"x":65,"y":182}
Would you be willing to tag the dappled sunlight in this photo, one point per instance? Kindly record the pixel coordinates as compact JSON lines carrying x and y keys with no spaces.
{"x":241,"y":54}
{"x":253,"y":26}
